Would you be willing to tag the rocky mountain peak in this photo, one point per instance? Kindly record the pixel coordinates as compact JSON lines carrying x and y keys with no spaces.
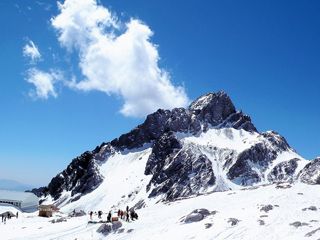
{"x":213,"y":107}
{"x":211,"y":100}
{"x":217,"y":109}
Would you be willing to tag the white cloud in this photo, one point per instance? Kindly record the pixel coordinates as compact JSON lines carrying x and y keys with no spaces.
{"x":44,"y":82}
{"x":115,"y":58}
{"x":31,"y":51}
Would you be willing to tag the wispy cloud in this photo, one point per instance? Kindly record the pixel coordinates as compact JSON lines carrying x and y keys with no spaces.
{"x":44,"y":83}
{"x":116,"y":58}
{"x":31,"y":51}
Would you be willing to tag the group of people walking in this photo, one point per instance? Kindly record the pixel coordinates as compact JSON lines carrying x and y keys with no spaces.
{"x":125,"y":215}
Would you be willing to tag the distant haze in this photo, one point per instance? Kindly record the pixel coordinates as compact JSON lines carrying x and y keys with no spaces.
{"x":7,"y":184}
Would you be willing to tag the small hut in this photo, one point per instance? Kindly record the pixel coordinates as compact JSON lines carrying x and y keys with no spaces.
{"x":47,"y":210}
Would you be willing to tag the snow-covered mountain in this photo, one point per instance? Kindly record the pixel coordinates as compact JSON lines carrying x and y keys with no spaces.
{"x":204,"y":172}
{"x":208,"y":147}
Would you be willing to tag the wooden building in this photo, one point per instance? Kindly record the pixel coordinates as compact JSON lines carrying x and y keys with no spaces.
{"x":47,"y":210}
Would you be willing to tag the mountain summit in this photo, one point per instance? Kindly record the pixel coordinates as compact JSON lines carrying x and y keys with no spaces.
{"x":180,"y":153}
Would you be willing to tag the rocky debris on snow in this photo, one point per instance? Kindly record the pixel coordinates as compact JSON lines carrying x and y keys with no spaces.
{"x":309,"y":234}
{"x":208,"y":225}
{"x":116,"y":225}
{"x":300,"y":193}
{"x":130,"y":230}
{"x":231,"y":193}
{"x":311,"y":208}
{"x":264,"y":216}
{"x":139,"y":205}
{"x":266,"y":208}
{"x":107,"y":228}
{"x":59,"y":220}
{"x":283,"y":186}
{"x":197,"y":215}
{"x":95,"y":222}
{"x":233,"y":221}
{"x":298,"y":224}
{"x":261,"y":222}
{"x":80,"y":213}
{"x":121,"y":230}
{"x":314,"y":221}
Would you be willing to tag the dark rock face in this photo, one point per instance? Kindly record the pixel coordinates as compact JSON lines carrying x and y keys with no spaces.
{"x":166,"y":145}
{"x":260,"y":156}
{"x":39,"y":191}
{"x":310,"y":174}
{"x":80,"y":177}
{"x":177,"y":173}
{"x":233,"y":221}
{"x":283,"y":171}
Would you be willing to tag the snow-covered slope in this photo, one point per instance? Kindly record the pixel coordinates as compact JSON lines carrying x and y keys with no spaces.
{"x":272,"y":212}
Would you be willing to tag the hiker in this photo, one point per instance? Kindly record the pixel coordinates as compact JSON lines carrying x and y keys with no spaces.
{"x":127,"y":209}
{"x":91,"y":213}
{"x":121,"y":214}
{"x":99,"y":214}
{"x":17,"y":215}
{"x":127,"y":215}
{"x":136,"y":215}
{"x":132,"y":215}
{"x":109,"y":217}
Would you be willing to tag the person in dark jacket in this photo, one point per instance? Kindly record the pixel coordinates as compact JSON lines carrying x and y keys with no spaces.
{"x":127,"y":216}
{"x":109,"y":217}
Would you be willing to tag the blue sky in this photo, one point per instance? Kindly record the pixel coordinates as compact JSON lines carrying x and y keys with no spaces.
{"x":265,"y":55}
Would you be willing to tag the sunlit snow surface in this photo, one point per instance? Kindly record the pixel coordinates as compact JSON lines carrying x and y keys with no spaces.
{"x":161,"y":220}
{"x":125,"y":184}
